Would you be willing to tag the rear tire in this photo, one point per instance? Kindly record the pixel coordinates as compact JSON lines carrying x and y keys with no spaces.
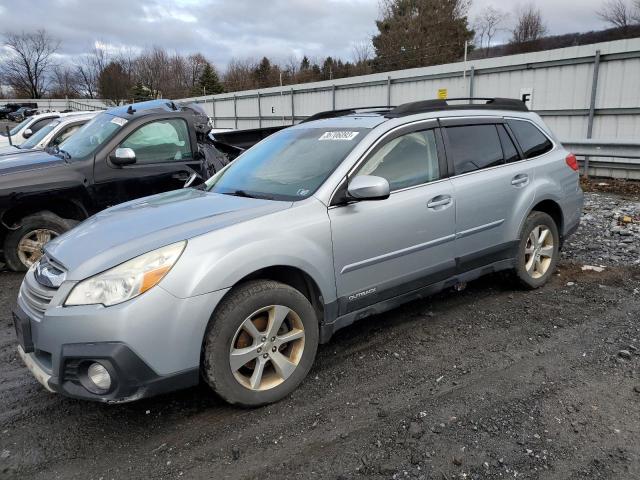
{"x":538,"y":250}
{"x":22,"y":247}
{"x":260,"y":343}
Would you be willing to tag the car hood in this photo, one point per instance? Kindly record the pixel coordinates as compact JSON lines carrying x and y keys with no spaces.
{"x":9,"y":150}
{"x":23,"y":160}
{"x":125,"y":231}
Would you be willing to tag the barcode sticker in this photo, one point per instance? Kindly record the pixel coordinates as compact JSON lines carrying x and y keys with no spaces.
{"x":118,"y":121}
{"x":338,"y":136}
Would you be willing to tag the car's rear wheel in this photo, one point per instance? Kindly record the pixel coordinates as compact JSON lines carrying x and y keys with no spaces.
{"x":260,"y":344}
{"x":23,"y":246}
{"x":538,"y":250}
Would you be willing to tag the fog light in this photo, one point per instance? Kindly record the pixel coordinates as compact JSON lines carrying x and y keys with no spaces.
{"x":99,"y":376}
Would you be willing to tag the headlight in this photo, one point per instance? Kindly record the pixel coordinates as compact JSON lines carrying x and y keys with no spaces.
{"x":127,"y":280}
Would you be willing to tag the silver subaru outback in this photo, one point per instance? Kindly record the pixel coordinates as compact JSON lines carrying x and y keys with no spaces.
{"x":322,"y":224}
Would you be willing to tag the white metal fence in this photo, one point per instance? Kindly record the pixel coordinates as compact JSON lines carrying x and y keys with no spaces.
{"x":58,"y":104}
{"x":589,"y":91}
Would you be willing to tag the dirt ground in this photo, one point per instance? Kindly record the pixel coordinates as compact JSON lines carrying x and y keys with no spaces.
{"x":490,"y":382}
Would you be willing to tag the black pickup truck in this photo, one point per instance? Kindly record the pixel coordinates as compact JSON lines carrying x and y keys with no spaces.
{"x":124,"y":153}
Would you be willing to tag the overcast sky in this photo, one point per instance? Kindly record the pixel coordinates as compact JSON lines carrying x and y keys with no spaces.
{"x":222,"y":29}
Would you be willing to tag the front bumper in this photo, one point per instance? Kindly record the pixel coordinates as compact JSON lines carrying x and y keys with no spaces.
{"x":149,"y":345}
{"x":132,"y":379}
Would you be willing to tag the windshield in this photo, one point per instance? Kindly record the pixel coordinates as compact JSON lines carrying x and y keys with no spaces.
{"x":17,"y":128}
{"x":93,"y":134}
{"x":39,"y":135}
{"x":289,"y":165}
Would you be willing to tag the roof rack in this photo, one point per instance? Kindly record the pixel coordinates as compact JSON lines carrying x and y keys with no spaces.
{"x":347,"y":111}
{"x":435,"y":105}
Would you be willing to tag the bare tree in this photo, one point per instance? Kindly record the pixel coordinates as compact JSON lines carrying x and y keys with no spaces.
{"x":29,"y":62}
{"x":619,"y":14}
{"x":362,"y":56}
{"x":151,"y":69}
{"x":529,"y":25}
{"x":487,"y":24}
{"x":195,"y":66}
{"x":239,"y":75}
{"x":89,"y":67}
{"x":65,"y":82}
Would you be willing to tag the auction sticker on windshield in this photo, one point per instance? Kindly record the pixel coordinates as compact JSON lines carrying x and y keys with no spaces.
{"x":118,"y":121}
{"x":338,"y":136}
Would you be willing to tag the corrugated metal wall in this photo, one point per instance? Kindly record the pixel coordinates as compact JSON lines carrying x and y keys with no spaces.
{"x":561,"y":81}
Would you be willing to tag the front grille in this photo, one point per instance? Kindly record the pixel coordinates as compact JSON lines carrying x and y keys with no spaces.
{"x":71,"y":371}
{"x":36,"y":298}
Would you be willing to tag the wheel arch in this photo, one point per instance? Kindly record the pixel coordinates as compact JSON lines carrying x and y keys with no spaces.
{"x":67,"y":208}
{"x":290,"y":275}
{"x":553,"y":209}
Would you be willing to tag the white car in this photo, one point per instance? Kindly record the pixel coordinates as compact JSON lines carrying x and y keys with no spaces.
{"x":52,"y":133}
{"x":28,"y":127}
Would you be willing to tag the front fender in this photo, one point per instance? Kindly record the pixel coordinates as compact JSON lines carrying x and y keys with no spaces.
{"x":220,"y":259}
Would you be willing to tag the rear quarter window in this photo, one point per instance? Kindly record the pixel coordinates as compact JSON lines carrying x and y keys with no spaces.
{"x":532,"y":141}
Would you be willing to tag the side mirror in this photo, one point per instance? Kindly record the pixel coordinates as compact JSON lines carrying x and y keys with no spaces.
{"x":369,"y":187}
{"x":123,"y":156}
{"x":27,"y":133}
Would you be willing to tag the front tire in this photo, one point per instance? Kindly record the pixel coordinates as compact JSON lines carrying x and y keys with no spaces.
{"x":538,"y":250}
{"x":23,"y":247}
{"x":260,"y":344}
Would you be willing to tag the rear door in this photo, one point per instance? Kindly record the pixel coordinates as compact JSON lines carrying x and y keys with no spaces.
{"x":386,"y":248}
{"x":491,"y":182}
{"x":166,"y":156}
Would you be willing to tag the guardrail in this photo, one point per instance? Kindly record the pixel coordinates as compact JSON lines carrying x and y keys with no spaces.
{"x":628,"y":151}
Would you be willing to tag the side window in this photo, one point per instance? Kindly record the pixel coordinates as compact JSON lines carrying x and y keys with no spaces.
{"x":509,"y":149}
{"x":532,"y":141}
{"x":160,"y":141}
{"x":474,"y":147}
{"x":64,"y":134}
{"x":405,"y":161}
{"x":35,"y":126}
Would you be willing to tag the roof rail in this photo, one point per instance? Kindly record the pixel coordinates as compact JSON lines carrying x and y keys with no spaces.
{"x":435,"y":105}
{"x":347,"y":111}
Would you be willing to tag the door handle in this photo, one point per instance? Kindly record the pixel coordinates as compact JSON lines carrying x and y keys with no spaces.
{"x":439,"y":201}
{"x":182,"y":176}
{"x":520,"y":180}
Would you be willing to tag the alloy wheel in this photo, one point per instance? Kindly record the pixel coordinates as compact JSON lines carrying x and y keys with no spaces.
{"x":538,"y":251}
{"x":267,"y":347}
{"x":31,"y":245}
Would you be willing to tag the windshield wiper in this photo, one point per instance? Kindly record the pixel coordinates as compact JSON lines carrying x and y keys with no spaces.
{"x":245,"y":194}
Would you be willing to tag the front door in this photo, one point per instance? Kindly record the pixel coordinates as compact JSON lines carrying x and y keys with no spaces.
{"x":386,"y":248}
{"x":165,"y":159}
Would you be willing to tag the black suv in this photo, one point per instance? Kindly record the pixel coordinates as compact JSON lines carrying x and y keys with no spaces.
{"x":124,"y":153}
{"x":12,"y":107}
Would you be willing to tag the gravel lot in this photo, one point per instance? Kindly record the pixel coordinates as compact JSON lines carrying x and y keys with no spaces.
{"x":490,"y":382}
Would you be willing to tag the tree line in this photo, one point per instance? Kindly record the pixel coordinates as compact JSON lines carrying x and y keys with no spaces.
{"x":410,"y":33}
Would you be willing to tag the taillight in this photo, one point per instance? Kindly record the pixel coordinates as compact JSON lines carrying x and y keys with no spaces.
{"x":572,"y":161}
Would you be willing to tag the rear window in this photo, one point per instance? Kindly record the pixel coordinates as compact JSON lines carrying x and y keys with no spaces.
{"x":474,"y":147}
{"x":532,"y":141}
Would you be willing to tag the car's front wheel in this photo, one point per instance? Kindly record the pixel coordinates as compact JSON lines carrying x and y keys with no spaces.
{"x":538,"y":250}
{"x":23,"y":246}
{"x":260,"y":344}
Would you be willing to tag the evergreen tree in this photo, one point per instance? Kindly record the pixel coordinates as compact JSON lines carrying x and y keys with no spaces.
{"x":140,"y":93}
{"x":418,"y":33}
{"x":208,"y":83}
